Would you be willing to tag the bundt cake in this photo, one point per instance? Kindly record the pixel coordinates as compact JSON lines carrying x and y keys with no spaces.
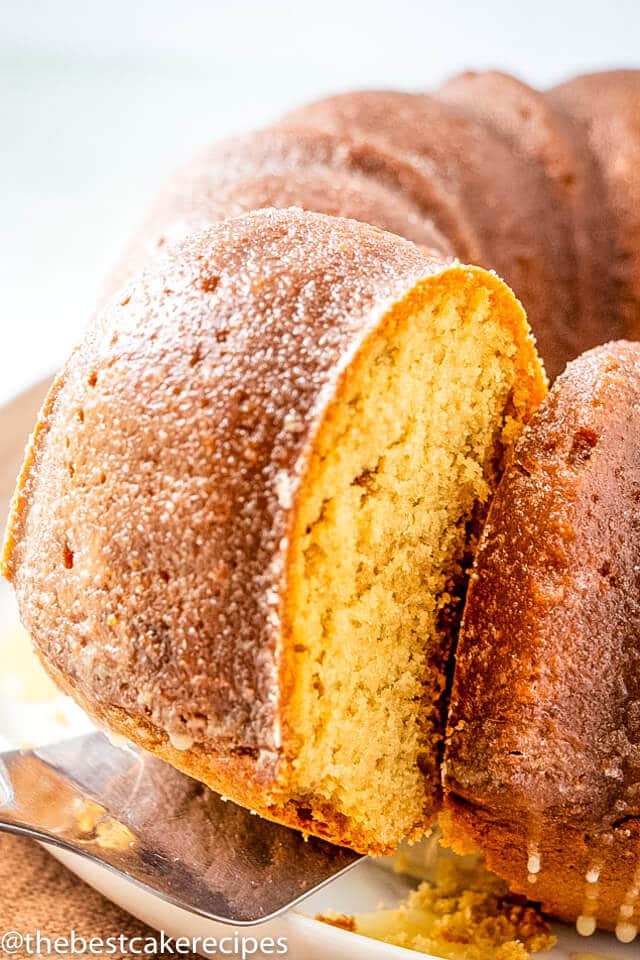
{"x":542,"y":766}
{"x":243,"y":528}
{"x":241,"y":531}
{"x":542,"y":187}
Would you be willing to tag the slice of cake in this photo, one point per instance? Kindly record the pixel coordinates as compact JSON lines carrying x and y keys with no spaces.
{"x":241,"y":534}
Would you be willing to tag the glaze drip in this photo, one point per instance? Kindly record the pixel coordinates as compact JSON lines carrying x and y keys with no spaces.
{"x":586,"y":923}
{"x":626,"y":930}
{"x":534,"y":862}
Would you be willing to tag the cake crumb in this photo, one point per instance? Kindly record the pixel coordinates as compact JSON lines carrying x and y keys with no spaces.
{"x":338,"y":920}
{"x":466,"y":913}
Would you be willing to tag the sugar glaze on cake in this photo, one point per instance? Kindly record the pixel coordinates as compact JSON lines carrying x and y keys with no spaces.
{"x":241,"y":533}
{"x":543,"y":762}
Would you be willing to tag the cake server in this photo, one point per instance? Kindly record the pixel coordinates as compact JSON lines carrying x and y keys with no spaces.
{"x":143,"y":819}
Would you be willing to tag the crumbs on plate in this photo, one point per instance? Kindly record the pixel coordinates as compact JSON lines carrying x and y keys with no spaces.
{"x":465,"y":913}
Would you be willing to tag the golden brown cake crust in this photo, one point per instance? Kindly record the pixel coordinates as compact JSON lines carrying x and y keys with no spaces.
{"x":507,"y":215}
{"x":542,"y":766}
{"x":294,"y":167}
{"x":141,"y":446}
{"x":604,"y":109}
{"x":550,"y":138}
{"x":541,"y":186}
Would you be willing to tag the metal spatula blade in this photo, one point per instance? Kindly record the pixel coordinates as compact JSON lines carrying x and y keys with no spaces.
{"x":159,"y":828}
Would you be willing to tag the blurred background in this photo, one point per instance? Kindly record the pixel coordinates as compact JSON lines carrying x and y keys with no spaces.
{"x":100,"y":101}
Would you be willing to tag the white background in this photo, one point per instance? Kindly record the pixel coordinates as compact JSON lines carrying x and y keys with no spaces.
{"x":100,"y":100}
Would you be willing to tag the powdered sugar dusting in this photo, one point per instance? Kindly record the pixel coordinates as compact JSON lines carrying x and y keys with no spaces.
{"x":167,"y":472}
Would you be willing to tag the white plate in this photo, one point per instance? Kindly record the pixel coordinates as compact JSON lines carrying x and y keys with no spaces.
{"x":366,"y":887}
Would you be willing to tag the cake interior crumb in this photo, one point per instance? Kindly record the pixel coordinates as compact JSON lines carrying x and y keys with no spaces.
{"x":402,"y":471}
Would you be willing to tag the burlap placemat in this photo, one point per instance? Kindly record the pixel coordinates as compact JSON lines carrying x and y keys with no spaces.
{"x":38,"y":893}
